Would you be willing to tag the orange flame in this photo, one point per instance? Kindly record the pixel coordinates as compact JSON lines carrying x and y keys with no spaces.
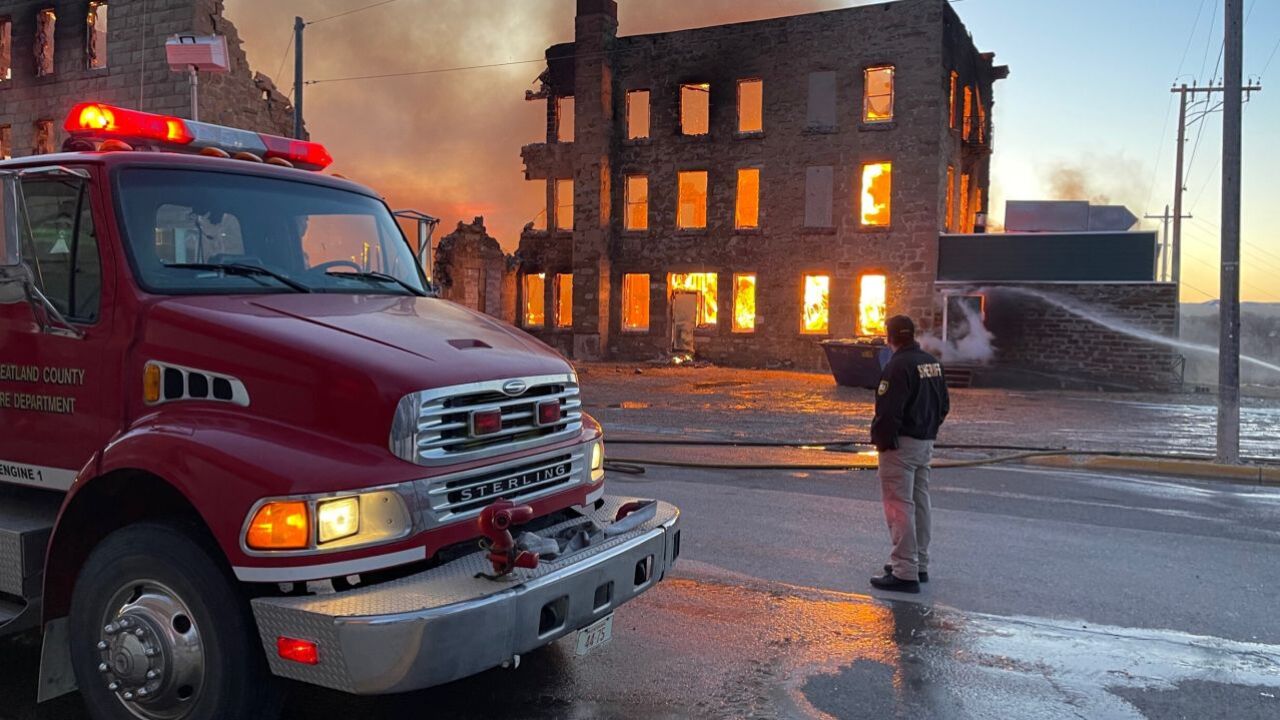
{"x":535,"y":302}
{"x":817,"y":307}
{"x":704,"y":284}
{"x":871,"y":304}
{"x":875,"y":193}
{"x":744,"y":303}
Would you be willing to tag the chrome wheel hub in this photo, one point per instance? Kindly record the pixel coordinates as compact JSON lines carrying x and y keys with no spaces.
{"x":150,"y":652}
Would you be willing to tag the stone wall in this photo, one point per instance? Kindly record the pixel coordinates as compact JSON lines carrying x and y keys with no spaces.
{"x":471,"y":269}
{"x":923,"y":39}
{"x":136,"y":75}
{"x":1078,"y":331}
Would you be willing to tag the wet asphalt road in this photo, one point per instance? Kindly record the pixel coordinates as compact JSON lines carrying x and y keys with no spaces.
{"x":1054,"y":595}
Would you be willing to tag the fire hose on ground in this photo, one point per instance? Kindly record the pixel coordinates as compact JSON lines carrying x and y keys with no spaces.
{"x":635,"y":466}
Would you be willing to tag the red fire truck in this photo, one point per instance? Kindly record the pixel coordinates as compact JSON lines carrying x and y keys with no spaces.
{"x":239,"y":439}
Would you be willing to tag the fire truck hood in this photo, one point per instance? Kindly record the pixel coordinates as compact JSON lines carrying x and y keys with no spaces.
{"x":430,"y":328}
{"x":390,"y":336}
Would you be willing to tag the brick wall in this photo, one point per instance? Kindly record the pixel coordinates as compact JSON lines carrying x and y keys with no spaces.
{"x":137,"y":74}
{"x":923,"y":39}
{"x":1033,"y":330}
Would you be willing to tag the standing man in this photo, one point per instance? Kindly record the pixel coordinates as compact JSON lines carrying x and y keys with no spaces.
{"x":911,"y":404}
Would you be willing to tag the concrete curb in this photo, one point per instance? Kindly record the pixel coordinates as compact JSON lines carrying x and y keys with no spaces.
{"x":1202,"y":469}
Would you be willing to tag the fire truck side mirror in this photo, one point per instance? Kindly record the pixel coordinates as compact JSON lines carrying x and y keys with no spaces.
{"x":10,"y":254}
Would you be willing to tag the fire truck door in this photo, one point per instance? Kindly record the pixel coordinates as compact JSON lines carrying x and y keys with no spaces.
{"x":52,"y":417}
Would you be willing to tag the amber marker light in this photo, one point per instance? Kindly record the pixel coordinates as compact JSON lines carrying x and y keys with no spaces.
{"x":151,"y":383}
{"x":279,"y":526}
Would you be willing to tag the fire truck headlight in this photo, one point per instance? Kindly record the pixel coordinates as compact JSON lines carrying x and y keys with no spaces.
{"x":597,"y":462}
{"x":337,"y":519}
{"x":322,"y":523}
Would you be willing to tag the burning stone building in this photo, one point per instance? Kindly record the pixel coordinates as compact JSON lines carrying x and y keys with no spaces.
{"x":56,"y":53}
{"x":750,"y":189}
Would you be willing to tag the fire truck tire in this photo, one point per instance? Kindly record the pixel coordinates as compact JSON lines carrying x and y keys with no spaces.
{"x":158,"y":631}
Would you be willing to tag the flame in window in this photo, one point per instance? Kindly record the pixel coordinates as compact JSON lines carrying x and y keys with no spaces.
{"x":535,"y":301}
{"x":871,"y":304}
{"x":878,"y":94}
{"x":564,"y":300}
{"x":705,"y":285}
{"x":635,"y":302}
{"x":876,"y":179}
{"x":817,"y":305}
{"x":744,"y":303}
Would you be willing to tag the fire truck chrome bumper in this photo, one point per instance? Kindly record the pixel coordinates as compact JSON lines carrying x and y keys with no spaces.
{"x":445,"y":623}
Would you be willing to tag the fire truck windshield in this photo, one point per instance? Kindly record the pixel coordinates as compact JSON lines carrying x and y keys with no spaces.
{"x":199,"y":232}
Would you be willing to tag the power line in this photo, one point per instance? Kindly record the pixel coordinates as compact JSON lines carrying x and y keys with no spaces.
{"x":1155,"y":170}
{"x":1213,"y":266}
{"x":431,"y":71}
{"x":1208,"y":41}
{"x":351,"y":12}
{"x":1271,"y":57}
{"x":284,"y":58}
{"x":1189,"y":286}
{"x":1194,"y":26}
{"x":1209,"y":238}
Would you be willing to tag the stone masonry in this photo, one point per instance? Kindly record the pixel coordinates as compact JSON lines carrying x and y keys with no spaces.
{"x":927,"y":46}
{"x":136,"y":74}
{"x":471,"y":269}
{"x":1070,"y":330}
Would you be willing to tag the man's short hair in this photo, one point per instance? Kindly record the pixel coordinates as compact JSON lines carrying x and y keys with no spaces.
{"x":900,"y":329}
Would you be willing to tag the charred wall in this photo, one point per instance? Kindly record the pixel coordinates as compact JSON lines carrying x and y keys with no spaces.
{"x":471,"y":269}
{"x":136,"y":73}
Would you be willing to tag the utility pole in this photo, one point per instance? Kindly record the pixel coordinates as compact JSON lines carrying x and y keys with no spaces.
{"x":1176,"y":246}
{"x":1184,"y":91}
{"x":1162,"y":262}
{"x":298,"y":27}
{"x":1229,"y":289}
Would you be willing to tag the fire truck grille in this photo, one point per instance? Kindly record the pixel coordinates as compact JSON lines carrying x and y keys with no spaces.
{"x":447,"y":428}
{"x":456,"y":496}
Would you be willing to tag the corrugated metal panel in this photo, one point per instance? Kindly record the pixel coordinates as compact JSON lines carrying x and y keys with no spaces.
{"x":1066,"y":216}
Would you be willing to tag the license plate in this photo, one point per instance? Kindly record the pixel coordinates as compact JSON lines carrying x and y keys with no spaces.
{"x":496,"y":488}
{"x":594,"y":635}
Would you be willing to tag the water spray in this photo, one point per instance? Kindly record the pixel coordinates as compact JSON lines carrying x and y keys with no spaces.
{"x":1117,"y":325}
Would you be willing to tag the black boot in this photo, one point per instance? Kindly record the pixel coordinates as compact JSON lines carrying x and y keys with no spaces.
{"x":924,"y":576}
{"x":889,"y":581}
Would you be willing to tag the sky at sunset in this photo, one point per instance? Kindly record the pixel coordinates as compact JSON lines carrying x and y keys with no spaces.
{"x":1086,"y":112}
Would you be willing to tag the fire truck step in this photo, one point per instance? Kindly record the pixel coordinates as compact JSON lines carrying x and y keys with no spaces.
{"x":15,"y":617}
{"x":26,"y":522}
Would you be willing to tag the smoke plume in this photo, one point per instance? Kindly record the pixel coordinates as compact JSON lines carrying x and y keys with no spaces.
{"x":968,"y":343}
{"x":1101,"y":180}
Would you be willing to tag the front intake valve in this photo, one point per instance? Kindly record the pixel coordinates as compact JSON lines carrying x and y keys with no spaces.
{"x":495,"y":523}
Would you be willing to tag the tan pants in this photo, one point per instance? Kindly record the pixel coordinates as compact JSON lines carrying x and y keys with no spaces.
{"x":904,"y":486}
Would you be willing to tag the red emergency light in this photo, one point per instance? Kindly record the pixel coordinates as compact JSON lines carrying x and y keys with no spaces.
{"x":107,"y":120}
{"x":97,"y":121}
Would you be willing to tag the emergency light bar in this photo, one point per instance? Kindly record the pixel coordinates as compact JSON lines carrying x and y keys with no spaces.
{"x":96,"y":121}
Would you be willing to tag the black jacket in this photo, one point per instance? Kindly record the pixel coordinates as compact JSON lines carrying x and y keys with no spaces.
{"x":911,"y":400}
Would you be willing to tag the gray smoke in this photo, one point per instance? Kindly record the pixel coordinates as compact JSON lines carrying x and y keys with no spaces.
{"x":968,"y":343}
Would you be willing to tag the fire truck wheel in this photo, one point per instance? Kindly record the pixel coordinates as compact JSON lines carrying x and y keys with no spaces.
{"x":158,"y":632}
